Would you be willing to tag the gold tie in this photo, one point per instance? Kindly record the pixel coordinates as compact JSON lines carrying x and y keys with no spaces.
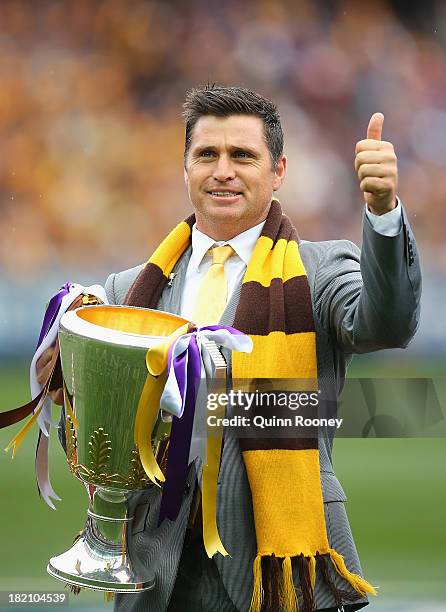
{"x":213,"y":292}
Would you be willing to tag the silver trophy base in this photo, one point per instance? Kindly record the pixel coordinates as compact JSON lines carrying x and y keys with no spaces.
{"x":93,"y":564}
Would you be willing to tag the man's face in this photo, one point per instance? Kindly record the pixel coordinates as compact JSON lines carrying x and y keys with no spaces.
{"x":229,"y":174}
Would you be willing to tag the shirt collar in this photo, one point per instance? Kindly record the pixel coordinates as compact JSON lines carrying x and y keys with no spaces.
{"x":243,"y":244}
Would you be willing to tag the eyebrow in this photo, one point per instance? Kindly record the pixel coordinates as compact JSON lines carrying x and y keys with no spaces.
{"x":201,"y":148}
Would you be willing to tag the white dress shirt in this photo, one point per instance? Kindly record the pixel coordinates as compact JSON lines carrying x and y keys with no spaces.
{"x":243,"y":244}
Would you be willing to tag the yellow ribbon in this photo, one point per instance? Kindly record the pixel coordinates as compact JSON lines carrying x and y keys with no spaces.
{"x":156,"y":358}
{"x":211,"y":537}
{"x":18,"y":438}
{"x":146,"y":415}
{"x":149,"y":402}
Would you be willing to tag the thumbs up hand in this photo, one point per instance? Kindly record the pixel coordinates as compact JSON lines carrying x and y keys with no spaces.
{"x":376,"y":165}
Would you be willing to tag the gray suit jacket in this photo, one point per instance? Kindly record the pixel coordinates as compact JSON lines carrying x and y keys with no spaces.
{"x":362,"y":301}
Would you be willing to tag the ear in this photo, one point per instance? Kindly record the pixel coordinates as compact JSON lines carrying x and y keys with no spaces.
{"x":279,"y":173}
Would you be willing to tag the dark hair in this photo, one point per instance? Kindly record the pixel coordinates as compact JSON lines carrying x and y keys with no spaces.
{"x":222,"y":101}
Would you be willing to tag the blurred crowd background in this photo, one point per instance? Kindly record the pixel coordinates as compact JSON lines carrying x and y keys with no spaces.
{"x":91,"y":135}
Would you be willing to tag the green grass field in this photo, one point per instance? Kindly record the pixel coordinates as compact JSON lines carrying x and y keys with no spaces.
{"x":396,"y":491}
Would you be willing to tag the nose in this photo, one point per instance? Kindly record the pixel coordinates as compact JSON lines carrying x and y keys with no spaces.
{"x":224,"y":169}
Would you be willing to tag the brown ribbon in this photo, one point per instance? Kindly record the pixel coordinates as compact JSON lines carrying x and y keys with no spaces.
{"x":52,"y":383}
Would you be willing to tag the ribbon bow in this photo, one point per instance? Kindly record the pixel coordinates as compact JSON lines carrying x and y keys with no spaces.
{"x":189,"y":353}
{"x":177,"y":367}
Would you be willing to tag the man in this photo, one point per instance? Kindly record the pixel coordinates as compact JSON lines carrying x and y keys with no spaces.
{"x":358,"y":302}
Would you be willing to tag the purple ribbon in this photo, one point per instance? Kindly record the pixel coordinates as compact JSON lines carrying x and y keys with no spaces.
{"x":52,"y":310}
{"x":187,"y":369}
{"x":181,"y":433}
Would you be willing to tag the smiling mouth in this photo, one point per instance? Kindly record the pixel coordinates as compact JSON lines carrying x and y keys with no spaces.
{"x":224,"y":194}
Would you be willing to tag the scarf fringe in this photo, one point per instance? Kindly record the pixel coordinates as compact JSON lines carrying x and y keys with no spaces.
{"x":307,"y":588}
{"x":312,"y":571}
{"x":288,"y":597}
{"x":274,"y":583}
{"x":258,"y":593}
{"x":340,"y":596}
{"x":274,"y":587}
{"x":361,"y":586}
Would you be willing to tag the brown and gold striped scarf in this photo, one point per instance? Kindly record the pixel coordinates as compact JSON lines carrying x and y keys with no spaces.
{"x":283,"y":473}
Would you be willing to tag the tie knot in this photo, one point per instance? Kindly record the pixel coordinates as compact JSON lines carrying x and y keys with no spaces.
{"x":221,"y":254}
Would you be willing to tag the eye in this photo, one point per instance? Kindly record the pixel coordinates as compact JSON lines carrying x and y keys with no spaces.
{"x":242,"y":154}
{"x":207,"y":153}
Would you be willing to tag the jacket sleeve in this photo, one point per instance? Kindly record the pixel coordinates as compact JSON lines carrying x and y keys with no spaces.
{"x":110,"y":289}
{"x":117,"y":285}
{"x":370,"y":299}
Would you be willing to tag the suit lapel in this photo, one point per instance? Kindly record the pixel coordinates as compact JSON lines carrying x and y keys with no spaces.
{"x":170,"y":300}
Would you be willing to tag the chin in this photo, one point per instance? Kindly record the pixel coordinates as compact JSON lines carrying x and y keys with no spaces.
{"x":219,"y":211}
{"x":228,"y":215}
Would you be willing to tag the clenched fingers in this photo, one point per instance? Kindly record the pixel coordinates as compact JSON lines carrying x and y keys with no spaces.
{"x":43,"y":370}
{"x":386,"y":156}
{"x":43,"y":365}
{"x":378,"y":186}
{"x":368,"y":144}
{"x":57,"y":396}
{"x":374,"y":170}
